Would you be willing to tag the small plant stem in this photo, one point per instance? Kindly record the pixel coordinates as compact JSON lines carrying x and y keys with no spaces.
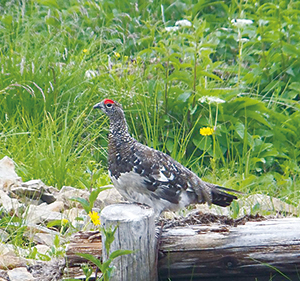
{"x":202,"y":156}
{"x":240,"y":56}
{"x":166,"y":87}
{"x":195,"y":75}
{"x":194,"y":83}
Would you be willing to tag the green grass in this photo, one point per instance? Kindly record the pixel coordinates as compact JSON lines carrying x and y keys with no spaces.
{"x":58,"y":58}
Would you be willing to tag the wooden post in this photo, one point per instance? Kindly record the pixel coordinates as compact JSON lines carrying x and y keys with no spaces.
{"x":136,"y":232}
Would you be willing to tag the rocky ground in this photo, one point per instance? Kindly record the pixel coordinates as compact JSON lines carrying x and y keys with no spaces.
{"x":42,"y":211}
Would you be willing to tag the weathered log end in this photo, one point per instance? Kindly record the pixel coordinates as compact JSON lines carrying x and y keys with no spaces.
{"x":136,"y":232}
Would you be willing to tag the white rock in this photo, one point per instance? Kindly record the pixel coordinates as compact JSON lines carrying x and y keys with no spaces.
{"x":34,"y":190}
{"x":6,"y":248}
{"x":8,"y":176}
{"x":3,"y":235}
{"x":7,"y":203}
{"x":44,"y":213}
{"x":42,"y":249}
{"x":108,"y":197}
{"x":42,"y":235}
{"x":20,"y":273}
{"x":73,"y":214}
{"x":11,"y":260}
{"x":68,"y":192}
{"x":57,"y":206}
{"x":45,"y":238}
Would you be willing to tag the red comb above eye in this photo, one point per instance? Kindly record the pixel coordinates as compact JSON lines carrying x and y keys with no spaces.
{"x":106,"y":101}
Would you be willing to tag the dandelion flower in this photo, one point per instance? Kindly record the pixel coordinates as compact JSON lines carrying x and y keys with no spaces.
{"x":94,"y":218}
{"x":117,"y":55}
{"x":84,"y":50}
{"x":206,"y":131}
{"x":64,"y":221}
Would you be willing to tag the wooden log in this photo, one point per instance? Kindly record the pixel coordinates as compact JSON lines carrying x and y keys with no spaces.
{"x":136,"y":232}
{"x":88,"y":242}
{"x":259,"y":249}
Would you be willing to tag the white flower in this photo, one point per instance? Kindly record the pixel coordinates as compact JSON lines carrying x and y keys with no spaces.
{"x":89,"y":74}
{"x":183,"y":23}
{"x":240,"y":23}
{"x":243,"y":40}
{"x":178,"y":24}
{"x":22,"y":65}
{"x":172,"y":28}
{"x":210,"y":99}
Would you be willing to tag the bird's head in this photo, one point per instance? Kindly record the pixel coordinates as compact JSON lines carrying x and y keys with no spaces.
{"x":109,"y":107}
{"x":116,"y":116}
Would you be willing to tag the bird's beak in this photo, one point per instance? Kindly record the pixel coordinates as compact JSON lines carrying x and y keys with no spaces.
{"x":98,"y":105}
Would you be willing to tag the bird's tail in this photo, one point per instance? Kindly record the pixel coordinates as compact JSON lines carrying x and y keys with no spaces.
{"x":221,"y":198}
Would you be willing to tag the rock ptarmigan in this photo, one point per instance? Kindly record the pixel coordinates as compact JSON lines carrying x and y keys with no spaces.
{"x":144,"y":175}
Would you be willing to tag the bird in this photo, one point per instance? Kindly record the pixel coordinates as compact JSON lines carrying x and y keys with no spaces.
{"x":147,"y":176}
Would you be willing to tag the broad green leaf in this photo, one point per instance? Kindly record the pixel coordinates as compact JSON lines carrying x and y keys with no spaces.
{"x":92,"y":259}
{"x":240,"y":130}
{"x":118,"y":253}
{"x":210,"y":75}
{"x":84,"y":203}
{"x":290,"y":49}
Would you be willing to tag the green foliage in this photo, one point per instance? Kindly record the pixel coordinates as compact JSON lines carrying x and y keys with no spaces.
{"x":88,"y":205}
{"x":15,"y":228}
{"x":105,"y":267}
{"x":57,"y":250}
{"x":173,"y":77}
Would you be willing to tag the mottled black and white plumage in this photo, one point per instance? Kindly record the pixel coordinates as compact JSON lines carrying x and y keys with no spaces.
{"x":145,"y":175}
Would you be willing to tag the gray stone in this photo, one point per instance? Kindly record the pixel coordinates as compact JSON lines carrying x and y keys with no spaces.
{"x":44,"y":213}
{"x":77,"y":217}
{"x":11,"y":260}
{"x":3,"y":235}
{"x":108,"y":197}
{"x":45,"y":238}
{"x":3,"y":275}
{"x":8,"y":176}
{"x":68,"y":192}
{"x":20,"y":273}
{"x":9,"y":204}
{"x":48,"y":271}
{"x":34,"y":190}
{"x":42,"y":249}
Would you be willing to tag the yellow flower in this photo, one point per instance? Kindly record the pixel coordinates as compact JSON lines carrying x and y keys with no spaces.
{"x":84,"y":50}
{"x":206,"y":131}
{"x":64,"y":221}
{"x":138,"y":60}
{"x":117,"y":54}
{"x":94,"y":217}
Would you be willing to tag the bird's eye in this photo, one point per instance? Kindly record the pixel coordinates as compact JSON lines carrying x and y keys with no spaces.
{"x":109,"y":105}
